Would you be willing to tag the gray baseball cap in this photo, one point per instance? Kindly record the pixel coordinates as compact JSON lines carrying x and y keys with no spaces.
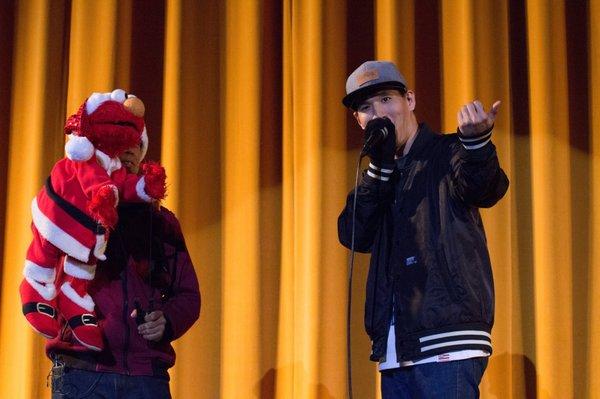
{"x":371,"y":77}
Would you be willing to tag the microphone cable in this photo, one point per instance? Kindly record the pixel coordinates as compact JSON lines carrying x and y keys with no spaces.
{"x":350,"y":272}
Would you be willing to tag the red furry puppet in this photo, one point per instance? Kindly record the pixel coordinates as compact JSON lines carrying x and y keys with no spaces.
{"x":74,"y":211}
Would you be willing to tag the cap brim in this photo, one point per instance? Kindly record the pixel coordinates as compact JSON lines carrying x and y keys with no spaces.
{"x":351,"y":100}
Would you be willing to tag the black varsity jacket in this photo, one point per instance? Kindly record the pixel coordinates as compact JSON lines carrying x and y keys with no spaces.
{"x":429,"y":258}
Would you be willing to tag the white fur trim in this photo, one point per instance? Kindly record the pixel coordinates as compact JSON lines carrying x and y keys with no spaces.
{"x":100,"y":247}
{"x":47,"y":291}
{"x":79,"y":148}
{"x":57,"y":236}
{"x":94,"y":101}
{"x":109,"y":164}
{"x":139,"y":189}
{"x":86,"y":302}
{"x":79,"y":269}
{"x":39,"y":273}
{"x":118,"y":95}
{"x":144,"y":143}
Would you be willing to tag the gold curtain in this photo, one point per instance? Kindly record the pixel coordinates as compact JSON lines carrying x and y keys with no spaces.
{"x":592,"y":342}
{"x":550,"y":161}
{"x":37,"y":77}
{"x":243,"y":103}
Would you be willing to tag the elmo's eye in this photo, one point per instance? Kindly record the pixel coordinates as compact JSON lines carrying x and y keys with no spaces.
{"x":118,"y":95}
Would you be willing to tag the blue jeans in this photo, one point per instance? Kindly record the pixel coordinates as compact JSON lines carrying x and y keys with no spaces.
{"x":69,"y":383}
{"x":458,"y":379}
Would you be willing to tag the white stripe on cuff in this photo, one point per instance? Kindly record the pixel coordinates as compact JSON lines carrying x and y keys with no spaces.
{"x":454,"y":334}
{"x":476,"y":146}
{"x":373,"y":175}
{"x":466,"y":139}
{"x":389,"y":171}
{"x":456,"y":343}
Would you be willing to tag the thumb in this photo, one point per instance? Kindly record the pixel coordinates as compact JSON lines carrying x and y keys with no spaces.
{"x":493,"y":112}
{"x":133,"y":314}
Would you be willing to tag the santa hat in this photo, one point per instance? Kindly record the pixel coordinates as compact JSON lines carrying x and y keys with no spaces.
{"x":78,"y":147}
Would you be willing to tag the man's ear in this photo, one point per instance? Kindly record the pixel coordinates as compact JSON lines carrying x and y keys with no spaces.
{"x":412,"y":99}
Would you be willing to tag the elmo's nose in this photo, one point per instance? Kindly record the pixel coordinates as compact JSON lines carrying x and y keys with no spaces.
{"x":135,"y":106}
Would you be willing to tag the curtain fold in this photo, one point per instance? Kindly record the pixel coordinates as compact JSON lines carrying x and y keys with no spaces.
{"x":302,"y":158}
{"x":37,"y":83}
{"x":333,"y":273}
{"x":98,"y":51}
{"x":592,"y":343}
{"x":395,"y":35}
{"x":551,"y":186}
{"x":240,"y":119}
{"x":243,"y":102}
{"x":191,"y":154}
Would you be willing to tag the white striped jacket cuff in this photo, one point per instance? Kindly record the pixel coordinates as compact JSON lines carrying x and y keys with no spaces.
{"x":382,"y":173}
{"x":475,"y":142}
{"x":455,"y":340}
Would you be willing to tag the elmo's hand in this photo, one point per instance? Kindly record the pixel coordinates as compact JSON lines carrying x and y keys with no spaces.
{"x":102,"y":206}
{"x":155,"y":180}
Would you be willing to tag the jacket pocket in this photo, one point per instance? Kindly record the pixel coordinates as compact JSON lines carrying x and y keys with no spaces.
{"x":449,"y":278}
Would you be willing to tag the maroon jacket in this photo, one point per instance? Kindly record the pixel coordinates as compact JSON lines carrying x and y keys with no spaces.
{"x":168,"y":282}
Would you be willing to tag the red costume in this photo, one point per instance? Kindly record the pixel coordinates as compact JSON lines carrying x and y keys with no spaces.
{"x":74,"y":211}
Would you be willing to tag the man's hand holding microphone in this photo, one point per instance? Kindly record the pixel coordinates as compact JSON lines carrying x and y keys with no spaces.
{"x":380,"y":140}
{"x":380,"y":146}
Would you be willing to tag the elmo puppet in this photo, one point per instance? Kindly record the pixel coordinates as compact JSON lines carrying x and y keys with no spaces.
{"x":75,"y":210}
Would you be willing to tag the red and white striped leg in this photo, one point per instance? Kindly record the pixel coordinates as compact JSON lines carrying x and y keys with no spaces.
{"x":38,"y":298}
{"x":77,"y":306}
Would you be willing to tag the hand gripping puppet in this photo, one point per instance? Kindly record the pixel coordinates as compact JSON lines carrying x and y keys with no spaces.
{"x":75,"y":210}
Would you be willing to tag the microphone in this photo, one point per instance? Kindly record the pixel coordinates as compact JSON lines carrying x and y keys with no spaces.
{"x":377,"y":131}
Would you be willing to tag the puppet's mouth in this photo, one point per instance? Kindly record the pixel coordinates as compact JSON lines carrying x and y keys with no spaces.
{"x":122,"y":123}
{"x":122,"y":126}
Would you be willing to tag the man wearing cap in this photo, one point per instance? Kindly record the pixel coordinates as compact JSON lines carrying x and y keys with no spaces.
{"x":430,"y":297}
